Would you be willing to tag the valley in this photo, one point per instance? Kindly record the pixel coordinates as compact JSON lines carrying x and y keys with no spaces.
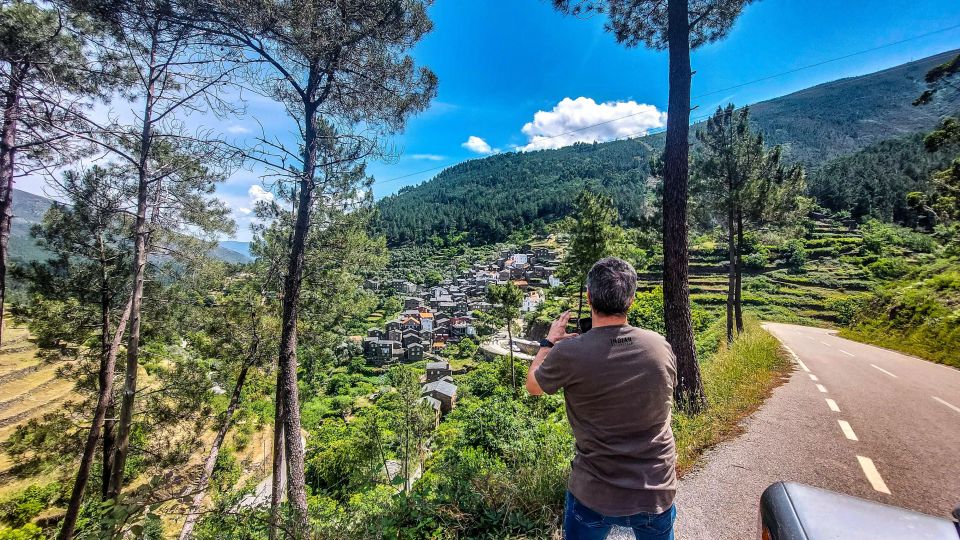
{"x":667,"y":254}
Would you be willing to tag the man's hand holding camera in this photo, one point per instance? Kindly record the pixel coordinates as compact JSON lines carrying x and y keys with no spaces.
{"x":558,"y":330}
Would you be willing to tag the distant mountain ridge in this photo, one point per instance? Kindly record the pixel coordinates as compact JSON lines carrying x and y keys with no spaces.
{"x":491,"y":196}
{"x":29,"y":208}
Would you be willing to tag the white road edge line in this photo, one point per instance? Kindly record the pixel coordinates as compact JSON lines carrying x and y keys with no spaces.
{"x":954,"y":407}
{"x":821,"y":388}
{"x":846,"y":353}
{"x":833,"y":405}
{"x":796,"y":358}
{"x":813,"y":377}
{"x":883,"y":370}
{"x":847,"y":430}
{"x":873,"y":476}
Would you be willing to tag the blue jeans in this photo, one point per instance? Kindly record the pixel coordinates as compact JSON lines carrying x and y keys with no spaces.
{"x":582,"y":523}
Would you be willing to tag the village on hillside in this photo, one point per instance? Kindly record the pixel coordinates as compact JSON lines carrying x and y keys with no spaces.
{"x":434,"y":316}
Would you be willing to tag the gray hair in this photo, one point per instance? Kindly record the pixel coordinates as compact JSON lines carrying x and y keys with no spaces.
{"x":612,"y":284}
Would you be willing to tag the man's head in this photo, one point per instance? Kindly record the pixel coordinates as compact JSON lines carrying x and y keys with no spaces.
{"x":611,"y":286}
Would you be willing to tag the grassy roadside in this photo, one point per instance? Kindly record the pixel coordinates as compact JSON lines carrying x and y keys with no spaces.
{"x":737,"y":381}
{"x":919,"y":315}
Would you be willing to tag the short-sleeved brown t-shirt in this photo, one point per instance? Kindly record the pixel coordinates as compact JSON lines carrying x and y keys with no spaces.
{"x":618,"y":385}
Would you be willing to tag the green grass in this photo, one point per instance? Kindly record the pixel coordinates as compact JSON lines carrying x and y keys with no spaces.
{"x":737,"y":380}
{"x":918,"y":316}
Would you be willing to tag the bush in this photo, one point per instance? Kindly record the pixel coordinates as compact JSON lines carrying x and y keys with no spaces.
{"x":878,"y":237}
{"x":795,"y":255}
{"x":27,"y":532}
{"x":888,"y":268}
{"x":21,"y":507}
{"x":757,"y":260}
{"x":848,"y":308}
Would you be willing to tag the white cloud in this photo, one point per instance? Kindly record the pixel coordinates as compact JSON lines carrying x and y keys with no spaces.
{"x":258,"y":194}
{"x":581,"y":116}
{"x":478,"y":145}
{"x":428,"y":157}
{"x":237,"y":129}
{"x":245,"y":211}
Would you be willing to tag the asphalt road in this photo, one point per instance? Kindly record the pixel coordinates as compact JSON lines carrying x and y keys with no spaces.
{"x":851,"y":418}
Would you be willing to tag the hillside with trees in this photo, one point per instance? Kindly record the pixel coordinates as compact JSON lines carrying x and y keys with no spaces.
{"x":357,"y":371}
{"x":870,"y":117}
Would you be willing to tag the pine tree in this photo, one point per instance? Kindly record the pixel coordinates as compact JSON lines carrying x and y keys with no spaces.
{"x":593,"y":236}
{"x":506,"y":300}
{"x":678,"y":26}
{"x":319,"y":58}
{"x":741,"y":183}
{"x":88,"y":237}
{"x":47,"y":72}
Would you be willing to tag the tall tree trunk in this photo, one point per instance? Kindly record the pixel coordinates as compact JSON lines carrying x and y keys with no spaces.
{"x":738,"y":297}
{"x":287,"y":379}
{"x":731,"y":273}
{"x":108,"y":362}
{"x":513,"y":372}
{"x":138,"y":271}
{"x":278,"y":480}
{"x":583,"y":284}
{"x":194,"y":513}
{"x":676,"y":291}
{"x":108,"y":444}
{"x":8,"y":143}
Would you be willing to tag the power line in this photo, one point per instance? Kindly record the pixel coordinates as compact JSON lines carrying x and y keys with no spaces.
{"x":837,"y":59}
{"x":712,"y":92}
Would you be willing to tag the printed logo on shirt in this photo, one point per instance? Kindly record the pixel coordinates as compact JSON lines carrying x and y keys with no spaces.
{"x":621,"y":340}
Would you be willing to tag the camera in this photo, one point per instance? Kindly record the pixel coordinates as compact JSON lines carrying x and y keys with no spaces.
{"x":580,"y":326}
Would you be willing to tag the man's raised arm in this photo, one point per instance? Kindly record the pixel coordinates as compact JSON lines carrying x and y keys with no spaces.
{"x":558,"y":332}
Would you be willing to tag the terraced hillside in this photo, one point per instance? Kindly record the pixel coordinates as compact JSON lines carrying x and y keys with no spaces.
{"x":28,"y":389}
{"x":827,"y":290}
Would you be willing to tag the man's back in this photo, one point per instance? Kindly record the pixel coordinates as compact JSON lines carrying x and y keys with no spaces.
{"x":618,"y":386}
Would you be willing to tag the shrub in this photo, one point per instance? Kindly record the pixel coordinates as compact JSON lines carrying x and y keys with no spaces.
{"x":757,"y":260}
{"x":878,"y":236}
{"x":888,"y":268}
{"x":796,"y":255}
{"x":21,"y":507}
{"x":27,"y":532}
{"x":761,"y":284}
{"x":848,"y":308}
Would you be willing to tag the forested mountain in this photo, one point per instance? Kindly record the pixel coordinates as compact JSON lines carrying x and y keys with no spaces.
{"x":873,"y":181}
{"x":28,"y":210}
{"x":489,"y":197}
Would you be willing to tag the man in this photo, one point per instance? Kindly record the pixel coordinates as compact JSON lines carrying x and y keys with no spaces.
{"x":617,"y":383}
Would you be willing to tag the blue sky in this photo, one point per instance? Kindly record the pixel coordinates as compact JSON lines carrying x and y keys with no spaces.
{"x":501,"y":62}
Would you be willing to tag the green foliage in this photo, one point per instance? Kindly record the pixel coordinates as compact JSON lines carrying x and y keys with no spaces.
{"x":27,"y":532}
{"x":647,"y":312}
{"x":795,"y":255}
{"x":879,"y":237}
{"x":593,"y":233}
{"x":918,"y":316}
{"x":758,"y":260}
{"x":875,"y":181}
{"x":847,"y":308}
{"x":18,"y":509}
{"x":736,"y":380}
{"x":889,"y":268}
